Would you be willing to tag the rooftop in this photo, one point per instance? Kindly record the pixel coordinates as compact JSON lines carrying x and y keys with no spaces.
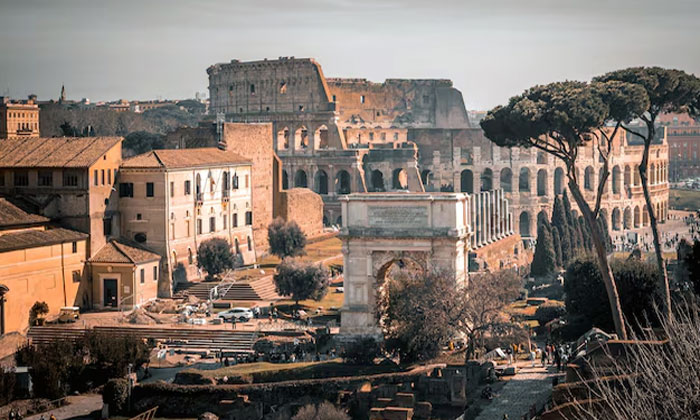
{"x":121,"y":252}
{"x":13,"y":216}
{"x":54,"y":152}
{"x":36,"y":238}
{"x":184,"y":158}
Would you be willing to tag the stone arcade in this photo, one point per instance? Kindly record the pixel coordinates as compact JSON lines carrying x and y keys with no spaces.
{"x":428,"y":230}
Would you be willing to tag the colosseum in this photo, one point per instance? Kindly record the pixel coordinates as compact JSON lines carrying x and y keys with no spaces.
{"x":339,"y":136}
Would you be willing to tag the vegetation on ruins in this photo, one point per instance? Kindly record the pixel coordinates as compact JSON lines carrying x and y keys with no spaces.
{"x":141,"y":142}
{"x":62,"y":367}
{"x":667,"y":91}
{"x":37,"y":311}
{"x":116,"y":394}
{"x":653,"y":380}
{"x":215,"y":256}
{"x":286,"y":239}
{"x":301,"y":280}
{"x":419,"y":312}
{"x":361,"y":352}
{"x":558,"y":118}
{"x":586,"y":296}
{"x":689,"y":256}
{"x":322,"y":411}
{"x":544,"y":262}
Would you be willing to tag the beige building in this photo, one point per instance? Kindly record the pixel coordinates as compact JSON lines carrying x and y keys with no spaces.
{"x":18,"y":119}
{"x":69,"y":180}
{"x":172,"y":200}
{"x":38,"y":263}
{"x":124,"y":275}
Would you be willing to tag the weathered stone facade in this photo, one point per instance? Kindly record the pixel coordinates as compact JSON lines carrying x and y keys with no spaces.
{"x":18,"y":118}
{"x":304,"y":207}
{"x":338,"y":136}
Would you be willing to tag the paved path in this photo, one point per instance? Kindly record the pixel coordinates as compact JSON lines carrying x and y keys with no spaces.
{"x":79,"y":406}
{"x":529,"y":386}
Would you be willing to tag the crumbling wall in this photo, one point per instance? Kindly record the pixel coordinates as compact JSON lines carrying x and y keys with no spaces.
{"x":304,"y":207}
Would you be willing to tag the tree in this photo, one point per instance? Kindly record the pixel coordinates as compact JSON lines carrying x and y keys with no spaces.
{"x":323,"y":411}
{"x":549,"y":311}
{"x":142,"y":141}
{"x":667,"y":91}
{"x":558,"y":118}
{"x":586,"y":295}
{"x":38,"y":310}
{"x":286,"y":239}
{"x":556,"y":241}
{"x":301,"y":280}
{"x":215,"y":256}
{"x":690,"y":258}
{"x":561,"y":222}
{"x":544,"y":261}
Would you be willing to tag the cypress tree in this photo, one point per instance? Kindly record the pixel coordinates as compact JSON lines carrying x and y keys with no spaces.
{"x":567,"y":209}
{"x":561,"y":222}
{"x":544,"y":260}
{"x":556,"y":240}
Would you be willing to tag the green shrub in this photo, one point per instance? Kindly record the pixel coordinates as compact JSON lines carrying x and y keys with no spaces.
{"x":116,"y":394}
{"x":548,"y":311}
{"x":361,"y":352}
{"x":323,"y":411}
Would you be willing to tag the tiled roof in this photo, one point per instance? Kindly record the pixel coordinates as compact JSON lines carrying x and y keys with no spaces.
{"x":184,"y":158}
{"x":54,"y":152}
{"x":11,"y":215}
{"x":120,"y":252}
{"x":36,"y":238}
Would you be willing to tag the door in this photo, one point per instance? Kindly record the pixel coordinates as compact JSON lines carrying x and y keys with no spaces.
{"x":110,"y":293}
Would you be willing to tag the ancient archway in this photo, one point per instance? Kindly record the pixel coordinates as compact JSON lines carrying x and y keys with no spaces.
{"x":466,"y":183}
{"x":342,"y":182}
{"x":383,"y":230}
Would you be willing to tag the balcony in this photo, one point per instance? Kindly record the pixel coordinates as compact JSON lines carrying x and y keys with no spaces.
{"x":225,"y":196}
{"x":199,"y":199}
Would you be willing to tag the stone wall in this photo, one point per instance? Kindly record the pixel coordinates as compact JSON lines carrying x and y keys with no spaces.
{"x":504,"y":253}
{"x":304,"y":207}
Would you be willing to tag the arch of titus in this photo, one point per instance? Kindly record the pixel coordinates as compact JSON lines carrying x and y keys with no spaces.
{"x":438,"y":229}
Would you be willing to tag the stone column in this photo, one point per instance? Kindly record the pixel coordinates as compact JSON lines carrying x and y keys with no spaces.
{"x":487,"y":217}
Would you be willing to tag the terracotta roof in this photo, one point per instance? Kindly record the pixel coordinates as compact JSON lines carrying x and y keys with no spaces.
{"x":54,"y":152}
{"x":184,"y":158}
{"x":37,"y":238}
{"x":120,"y":252}
{"x":11,"y":215}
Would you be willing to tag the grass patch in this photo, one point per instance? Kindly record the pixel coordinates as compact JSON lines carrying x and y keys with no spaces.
{"x":684,"y":200}
{"x":262,"y":372}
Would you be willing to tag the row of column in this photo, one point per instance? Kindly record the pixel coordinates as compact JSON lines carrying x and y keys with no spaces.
{"x":490,"y":217}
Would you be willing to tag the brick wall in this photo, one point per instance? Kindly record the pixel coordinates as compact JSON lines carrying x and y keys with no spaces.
{"x":304,"y":207}
{"x":504,"y":251}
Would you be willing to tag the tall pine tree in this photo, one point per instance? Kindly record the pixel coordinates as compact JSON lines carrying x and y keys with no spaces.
{"x":556,"y":240}
{"x":544,"y":260}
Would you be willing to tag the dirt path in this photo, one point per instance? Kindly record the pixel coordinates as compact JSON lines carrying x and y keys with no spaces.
{"x":79,"y":406}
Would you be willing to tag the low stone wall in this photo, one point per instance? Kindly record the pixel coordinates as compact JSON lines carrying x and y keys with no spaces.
{"x":504,"y":253}
{"x":303,"y":206}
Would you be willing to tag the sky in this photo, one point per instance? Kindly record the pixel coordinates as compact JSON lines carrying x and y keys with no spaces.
{"x":490,"y":49}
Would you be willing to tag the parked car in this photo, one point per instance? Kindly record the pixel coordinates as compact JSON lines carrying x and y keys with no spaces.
{"x":240,"y":314}
{"x":69,"y":314}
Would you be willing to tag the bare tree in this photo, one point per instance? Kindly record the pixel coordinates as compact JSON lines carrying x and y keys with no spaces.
{"x":653,"y":380}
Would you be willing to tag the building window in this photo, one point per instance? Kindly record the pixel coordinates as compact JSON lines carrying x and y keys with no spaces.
{"x":95,"y":177}
{"x":21,"y":178}
{"x":252,"y":89}
{"x":126,"y":189}
{"x":235,"y":182}
{"x":76,"y":276}
{"x":301,"y":107}
{"x":45,"y":178}
{"x":396,"y":136}
{"x":224,"y":219}
{"x":362,"y":99}
{"x":149,"y":189}
{"x":107,"y":226}
{"x":140,"y":237}
{"x":143,"y":275}
{"x":188,"y":186}
{"x":138,"y":216}
{"x":114,"y":171}
{"x":172,"y":189}
{"x":70,"y":179}
{"x":74,"y":247}
{"x":333,"y":98}
{"x":212,"y":224}
{"x":109,"y":177}
{"x":371,"y":136}
{"x":383,"y":136}
{"x":155,"y":273}
{"x":199,"y":226}
{"x":103,"y":176}
{"x":190,"y":259}
{"x":249,"y":218}
{"x":250,"y":244}
{"x":172,"y":231}
{"x":234,"y":223}
{"x":246,"y":181}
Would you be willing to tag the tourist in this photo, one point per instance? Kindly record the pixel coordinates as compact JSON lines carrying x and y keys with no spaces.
{"x":226,"y":363}
{"x":233,"y":323}
{"x":544,"y":357}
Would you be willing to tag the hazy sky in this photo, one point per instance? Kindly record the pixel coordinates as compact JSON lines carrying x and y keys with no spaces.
{"x":491,"y":49}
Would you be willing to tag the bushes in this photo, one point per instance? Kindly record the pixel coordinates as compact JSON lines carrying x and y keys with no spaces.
{"x":323,"y":411}
{"x":116,"y":394}
{"x":548,"y":311}
{"x":38,"y":311}
{"x":7,"y":386}
{"x":361,"y":352}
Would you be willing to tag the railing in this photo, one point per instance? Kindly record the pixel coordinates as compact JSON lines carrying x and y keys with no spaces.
{"x":146,"y":415}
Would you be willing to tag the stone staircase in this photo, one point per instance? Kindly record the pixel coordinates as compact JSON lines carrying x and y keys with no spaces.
{"x":176,"y":338}
{"x":258,"y":290}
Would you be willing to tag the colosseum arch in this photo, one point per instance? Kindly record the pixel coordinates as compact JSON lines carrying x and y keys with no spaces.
{"x":426,"y":178}
{"x":524,"y":223}
{"x":321,"y":137}
{"x":637,"y":180}
{"x":637,"y":217}
{"x":645,"y":216}
{"x":377,"y":180}
{"x":524,"y":180}
{"x":342,"y":182}
{"x":487,"y":180}
{"x":466,"y":183}
{"x":399,"y":179}
{"x":301,"y":138}
{"x":283,"y":139}
{"x":627,"y":221}
{"x":300,"y":179}
{"x":541,"y":182}
{"x":506,"y":180}
{"x":321,"y":182}
{"x":616,"y":219}
{"x":652,"y":174}
{"x":588,"y":179}
{"x":616,"y":179}
{"x":558,"y":181}
{"x":628,"y":176}
{"x":285,"y":179}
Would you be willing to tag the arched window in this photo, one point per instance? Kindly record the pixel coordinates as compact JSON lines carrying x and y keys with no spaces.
{"x":467,"y":181}
{"x":588,"y":179}
{"x":525,"y":225}
{"x":321,"y":137}
{"x":342,"y":182}
{"x":301,"y":138}
{"x":399,"y":179}
{"x":616,"y":179}
{"x":524,"y":180}
{"x":558,"y":181}
{"x":377,"y":179}
{"x":321,"y":182}
{"x":541,"y":182}
{"x":283,"y":139}
{"x":285,"y":180}
{"x":300,"y":180}
{"x":507,"y":180}
{"x":426,"y":178}
{"x":487,"y":180}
